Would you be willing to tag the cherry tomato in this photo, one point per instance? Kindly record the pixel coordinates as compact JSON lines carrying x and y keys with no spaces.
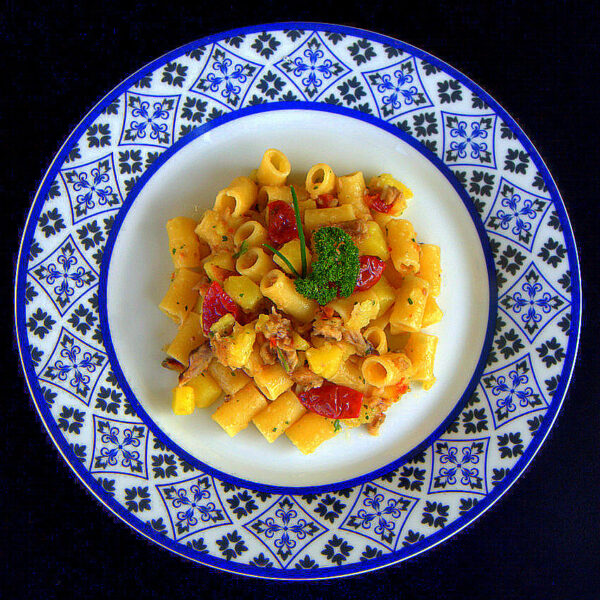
{"x":216,"y":304}
{"x":327,"y":201}
{"x":371,"y":270}
{"x":282,"y":222}
{"x":373,"y":199}
{"x":333,"y":401}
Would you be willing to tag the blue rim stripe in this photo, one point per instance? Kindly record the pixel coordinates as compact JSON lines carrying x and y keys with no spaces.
{"x":261,"y":108}
{"x":323,"y":572}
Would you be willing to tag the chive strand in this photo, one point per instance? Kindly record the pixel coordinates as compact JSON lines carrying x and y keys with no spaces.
{"x":300,"y":231}
{"x":283,"y":258}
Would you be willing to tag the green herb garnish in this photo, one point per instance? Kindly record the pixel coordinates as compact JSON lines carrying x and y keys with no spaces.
{"x":283,"y":361}
{"x":283,"y":258}
{"x":300,"y":231}
{"x":336,"y":269}
{"x":243,"y":249}
{"x":337,"y":426}
{"x":410,"y":301}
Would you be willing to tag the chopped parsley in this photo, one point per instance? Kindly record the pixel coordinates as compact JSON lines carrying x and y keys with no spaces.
{"x":410,"y":301}
{"x":337,"y":425}
{"x":243,"y":249}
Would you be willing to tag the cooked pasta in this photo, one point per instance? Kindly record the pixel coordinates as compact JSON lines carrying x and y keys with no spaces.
{"x":300,"y":309}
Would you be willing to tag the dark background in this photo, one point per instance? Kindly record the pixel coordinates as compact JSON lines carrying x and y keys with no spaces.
{"x":539,"y":60}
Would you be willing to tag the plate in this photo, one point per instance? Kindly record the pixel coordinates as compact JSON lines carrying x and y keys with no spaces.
{"x":92,"y":268}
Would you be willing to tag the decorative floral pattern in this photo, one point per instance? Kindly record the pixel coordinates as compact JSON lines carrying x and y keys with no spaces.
{"x":285,"y":528}
{"x":469,"y":139}
{"x":460,"y":466}
{"x":312,"y":67}
{"x":74,"y":366}
{"x":92,"y":188}
{"x":119,"y":447}
{"x":193,"y":505}
{"x":149,"y":120}
{"x":314,"y":533}
{"x":379,"y":514}
{"x":397,"y":89}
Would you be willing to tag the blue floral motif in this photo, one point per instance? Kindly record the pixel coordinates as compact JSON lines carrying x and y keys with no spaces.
{"x":516,"y":214}
{"x":193,"y":505}
{"x":379,"y":514}
{"x":469,"y":139}
{"x":532,"y":302}
{"x":285,"y":528}
{"x":92,"y":188}
{"x":74,"y":366}
{"x":397,"y":89}
{"x":65,"y":275}
{"x":512,"y":391}
{"x":312,"y":67}
{"x":459,"y":466}
{"x":119,"y":447}
{"x":226,"y":77}
{"x":149,"y":120}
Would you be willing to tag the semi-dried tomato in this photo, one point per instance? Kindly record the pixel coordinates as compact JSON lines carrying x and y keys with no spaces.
{"x":326,"y":201}
{"x":374,"y":201}
{"x":282,"y":222}
{"x":333,"y":401}
{"x":370,"y":272}
{"x":216,"y":304}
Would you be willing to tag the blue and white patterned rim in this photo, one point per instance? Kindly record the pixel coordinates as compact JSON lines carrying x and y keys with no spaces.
{"x":137,"y":406}
{"x":330,"y":533}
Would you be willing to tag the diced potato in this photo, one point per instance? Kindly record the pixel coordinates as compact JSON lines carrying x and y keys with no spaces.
{"x":206,"y":389}
{"x":243,"y":291}
{"x":326,"y":360}
{"x":183,"y":400}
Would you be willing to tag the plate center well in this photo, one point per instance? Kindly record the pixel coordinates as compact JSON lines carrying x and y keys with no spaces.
{"x":185,"y":184}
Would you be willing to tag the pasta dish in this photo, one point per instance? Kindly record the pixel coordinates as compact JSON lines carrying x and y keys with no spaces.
{"x":300,"y":308}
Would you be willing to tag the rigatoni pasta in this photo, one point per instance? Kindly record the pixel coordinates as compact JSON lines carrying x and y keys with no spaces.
{"x":300,"y":309}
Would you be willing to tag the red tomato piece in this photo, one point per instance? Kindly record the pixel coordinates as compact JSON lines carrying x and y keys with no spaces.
{"x":216,"y":304}
{"x":282,"y":222}
{"x":371,"y":270}
{"x":373,"y":200}
{"x":327,"y":201}
{"x":333,"y":401}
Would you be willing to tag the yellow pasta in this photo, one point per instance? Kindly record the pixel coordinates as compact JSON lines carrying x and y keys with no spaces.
{"x":229,"y":381}
{"x":250,"y":233}
{"x":430,"y":267}
{"x":403,"y":244}
{"x":181,"y":296}
{"x":292,"y":251}
{"x":279,"y":415}
{"x":184,"y":246}
{"x":311,"y":431}
{"x":387,"y":369}
{"x":237,"y":198}
{"x":420,"y":349}
{"x":376,"y":337}
{"x":188,"y":338}
{"x":218,"y":266}
{"x":236,"y":413}
{"x":373,"y":242}
{"x":314,"y":218}
{"x":255,"y":264}
{"x":274,"y":168}
{"x":244,"y":292}
{"x":272,"y":381}
{"x":267,"y":344}
{"x":281,"y":290}
{"x":409,"y":307}
{"x":206,"y":390}
{"x":215,"y":231}
{"x":432,"y":313}
{"x":351,"y":191}
{"x":320,"y":179}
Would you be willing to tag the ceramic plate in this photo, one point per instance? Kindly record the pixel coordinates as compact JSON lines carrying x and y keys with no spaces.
{"x":93,"y":266}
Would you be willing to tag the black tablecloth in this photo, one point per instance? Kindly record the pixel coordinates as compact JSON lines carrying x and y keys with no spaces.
{"x":539,"y":60}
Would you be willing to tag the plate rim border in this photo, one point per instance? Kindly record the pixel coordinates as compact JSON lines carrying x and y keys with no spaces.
{"x":435,"y":538}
